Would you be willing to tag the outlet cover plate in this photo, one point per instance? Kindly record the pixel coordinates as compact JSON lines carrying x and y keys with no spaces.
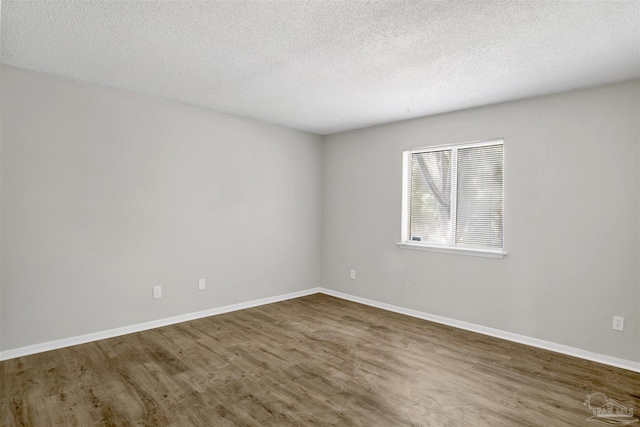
{"x":618,"y":323}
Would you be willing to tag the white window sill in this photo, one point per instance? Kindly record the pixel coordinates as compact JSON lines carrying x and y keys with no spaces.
{"x":458,"y":251}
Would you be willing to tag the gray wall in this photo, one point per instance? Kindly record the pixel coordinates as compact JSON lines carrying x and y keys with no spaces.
{"x":106,"y":194}
{"x":1,"y":299}
{"x":571,"y":220}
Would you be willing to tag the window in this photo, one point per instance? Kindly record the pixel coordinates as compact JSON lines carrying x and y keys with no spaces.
{"x":453,"y":198}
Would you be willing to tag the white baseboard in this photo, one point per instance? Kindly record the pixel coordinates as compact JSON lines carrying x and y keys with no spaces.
{"x":497,"y":333}
{"x":83,"y":339}
{"x":522,"y":339}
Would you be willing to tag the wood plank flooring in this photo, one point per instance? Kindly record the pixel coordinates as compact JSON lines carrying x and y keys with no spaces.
{"x":312,"y":361}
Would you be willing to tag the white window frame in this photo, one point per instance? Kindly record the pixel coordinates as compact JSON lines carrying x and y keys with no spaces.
{"x":405,"y":243}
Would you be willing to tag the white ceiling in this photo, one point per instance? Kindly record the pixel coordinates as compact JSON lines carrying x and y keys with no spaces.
{"x":328,"y":66}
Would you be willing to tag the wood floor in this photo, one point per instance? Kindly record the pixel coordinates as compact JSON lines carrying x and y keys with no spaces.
{"x":312,"y":361}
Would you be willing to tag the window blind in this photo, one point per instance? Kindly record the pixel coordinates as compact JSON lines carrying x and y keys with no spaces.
{"x":480,"y":196}
{"x":430,"y":198}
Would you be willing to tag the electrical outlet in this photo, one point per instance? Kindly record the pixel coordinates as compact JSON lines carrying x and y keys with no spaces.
{"x":202,"y":285}
{"x":353,"y":275}
{"x":157,"y":292}
{"x":618,"y":323}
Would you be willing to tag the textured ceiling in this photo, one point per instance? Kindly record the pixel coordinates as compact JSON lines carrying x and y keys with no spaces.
{"x":328,"y":66}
